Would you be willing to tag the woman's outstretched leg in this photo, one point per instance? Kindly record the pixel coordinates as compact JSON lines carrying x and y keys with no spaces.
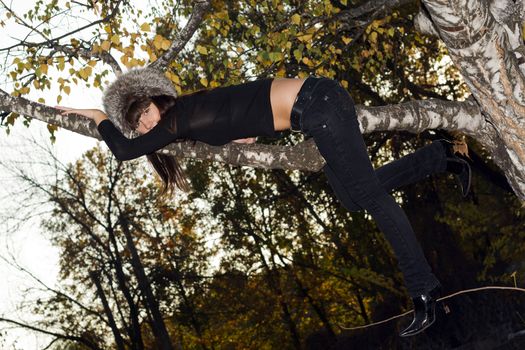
{"x":416,"y":166}
{"x":333,"y":124}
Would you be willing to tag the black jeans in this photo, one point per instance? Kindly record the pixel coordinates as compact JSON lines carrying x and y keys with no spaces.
{"x":330,"y":118}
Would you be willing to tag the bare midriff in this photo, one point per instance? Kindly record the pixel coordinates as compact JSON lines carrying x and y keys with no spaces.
{"x":283,"y":92}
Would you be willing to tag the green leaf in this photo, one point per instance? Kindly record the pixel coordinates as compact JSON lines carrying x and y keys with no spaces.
{"x":298,"y":54}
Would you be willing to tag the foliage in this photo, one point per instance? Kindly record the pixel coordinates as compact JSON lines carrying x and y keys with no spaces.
{"x":256,"y":259}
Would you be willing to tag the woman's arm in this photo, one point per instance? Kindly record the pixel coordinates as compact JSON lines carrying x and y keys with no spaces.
{"x":122,"y":147}
{"x":95,"y":114}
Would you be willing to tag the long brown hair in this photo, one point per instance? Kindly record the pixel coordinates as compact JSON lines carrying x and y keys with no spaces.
{"x":166,"y":166}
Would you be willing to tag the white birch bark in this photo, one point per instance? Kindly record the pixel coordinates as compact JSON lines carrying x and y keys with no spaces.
{"x":485,"y":42}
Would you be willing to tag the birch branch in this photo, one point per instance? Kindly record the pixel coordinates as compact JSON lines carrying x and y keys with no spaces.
{"x":201,"y":6}
{"x":414,"y":116}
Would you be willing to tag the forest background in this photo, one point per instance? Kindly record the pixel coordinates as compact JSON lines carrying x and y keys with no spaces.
{"x":259,"y":255}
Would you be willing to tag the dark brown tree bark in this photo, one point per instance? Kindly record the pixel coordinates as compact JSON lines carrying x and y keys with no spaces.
{"x":109,"y":314}
{"x":158,"y":326}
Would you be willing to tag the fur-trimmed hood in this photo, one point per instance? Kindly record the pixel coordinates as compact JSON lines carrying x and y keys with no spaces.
{"x":139,"y":81}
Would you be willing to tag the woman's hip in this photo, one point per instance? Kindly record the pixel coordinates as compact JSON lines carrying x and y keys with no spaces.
{"x":321,"y":100}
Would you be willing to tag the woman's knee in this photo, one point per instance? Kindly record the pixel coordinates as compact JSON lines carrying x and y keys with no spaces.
{"x":373,"y":198}
{"x":350,"y":205}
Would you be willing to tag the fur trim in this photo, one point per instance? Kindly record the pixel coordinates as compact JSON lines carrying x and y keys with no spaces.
{"x":140,"y":81}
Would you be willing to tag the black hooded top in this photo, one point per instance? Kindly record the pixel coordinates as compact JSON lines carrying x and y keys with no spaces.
{"x":214,"y":116}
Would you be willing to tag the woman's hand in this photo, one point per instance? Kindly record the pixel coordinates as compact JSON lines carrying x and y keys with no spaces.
{"x":246,"y":140}
{"x":95,"y":114}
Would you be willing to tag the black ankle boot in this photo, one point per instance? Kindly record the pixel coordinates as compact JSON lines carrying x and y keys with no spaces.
{"x":424,"y":312}
{"x":457,"y":164}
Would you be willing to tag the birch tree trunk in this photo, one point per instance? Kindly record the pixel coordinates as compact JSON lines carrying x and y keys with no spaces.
{"x":485,"y":42}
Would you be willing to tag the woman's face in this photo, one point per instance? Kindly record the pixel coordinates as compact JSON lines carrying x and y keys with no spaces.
{"x":148,"y":119}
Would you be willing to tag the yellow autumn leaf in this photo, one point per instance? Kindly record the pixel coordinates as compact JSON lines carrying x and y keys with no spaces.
{"x":115,"y":39}
{"x":346,"y":40}
{"x":461,"y":147}
{"x":307,"y":61}
{"x":296,"y":19}
{"x":85,"y":72}
{"x":202,"y":50}
{"x":373,"y":37}
{"x":43,"y":68}
{"x":92,"y":63}
{"x":173,"y":77}
{"x":67,"y":89}
{"x":204,"y":81}
{"x":152,"y":56}
{"x":61,"y":63}
{"x":305,"y":37}
{"x":281,"y":73}
{"x":105,"y":45}
{"x":145,"y":27}
{"x":165,"y":44}
{"x":124,"y":59}
{"x":157,"y":41}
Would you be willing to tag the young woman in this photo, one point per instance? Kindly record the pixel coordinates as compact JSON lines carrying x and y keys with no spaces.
{"x":144,"y":101}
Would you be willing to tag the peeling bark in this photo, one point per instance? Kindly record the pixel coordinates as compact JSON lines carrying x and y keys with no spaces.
{"x":485,"y":43}
{"x":424,"y":24}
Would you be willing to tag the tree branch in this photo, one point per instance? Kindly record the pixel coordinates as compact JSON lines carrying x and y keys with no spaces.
{"x":413,"y":116}
{"x":485,"y":43}
{"x":460,"y":23}
{"x":57,"y":292}
{"x":78,"y":339}
{"x":49,"y":42}
{"x":199,"y":11}
{"x":378,"y":7}
{"x":106,"y":57}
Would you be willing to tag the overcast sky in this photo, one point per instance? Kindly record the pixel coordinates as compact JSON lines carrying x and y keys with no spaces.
{"x":30,"y":248}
